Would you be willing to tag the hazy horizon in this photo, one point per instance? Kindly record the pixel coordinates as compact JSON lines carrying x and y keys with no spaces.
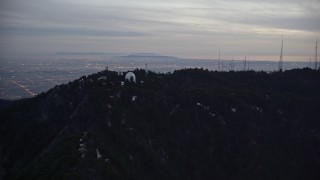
{"x":109,"y":55}
{"x":185,"y":29}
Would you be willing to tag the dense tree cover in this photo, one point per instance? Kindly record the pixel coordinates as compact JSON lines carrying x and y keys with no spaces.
{"x":189,"y":124}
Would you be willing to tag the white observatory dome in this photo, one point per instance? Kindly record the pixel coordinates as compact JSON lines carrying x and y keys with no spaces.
{"x":130,"y":76}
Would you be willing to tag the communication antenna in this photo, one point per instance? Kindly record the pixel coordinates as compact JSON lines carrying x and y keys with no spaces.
{"x":219,"y":63}
{"x":316,"y":57}
{"x":281,"y":56}
{"x":232,"y":64}
{"x":245,"y":63}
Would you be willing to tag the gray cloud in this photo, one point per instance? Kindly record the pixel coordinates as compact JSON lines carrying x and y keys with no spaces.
{"x":173,"y":26}
{"x":66,"y":32}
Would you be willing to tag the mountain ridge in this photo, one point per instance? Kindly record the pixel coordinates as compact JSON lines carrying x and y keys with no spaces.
{"x":189,"y":124}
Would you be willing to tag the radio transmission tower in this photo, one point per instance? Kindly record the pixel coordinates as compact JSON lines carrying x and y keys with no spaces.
{"x":231,"y":65}
{"x":219,"y":63}
{"x":245,"y":63}
{"x":316,"y":57}
{"x":281,"y":56}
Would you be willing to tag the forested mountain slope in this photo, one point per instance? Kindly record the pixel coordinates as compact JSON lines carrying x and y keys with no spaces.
{"x":190,"y":124}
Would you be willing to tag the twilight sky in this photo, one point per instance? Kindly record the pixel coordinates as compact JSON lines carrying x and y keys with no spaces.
{"x":183,"y":28}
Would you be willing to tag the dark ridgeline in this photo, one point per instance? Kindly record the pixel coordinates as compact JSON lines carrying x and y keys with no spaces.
{"x":190,"y":124}
{"x":4,"y":103}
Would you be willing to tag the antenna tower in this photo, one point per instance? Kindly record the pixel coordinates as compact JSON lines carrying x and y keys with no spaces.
{"x":316,"y":57}
{"x":281,"y":56}
{"x":245,"y":63}
{"x":231,"y":65}
{"x":219,"y":63}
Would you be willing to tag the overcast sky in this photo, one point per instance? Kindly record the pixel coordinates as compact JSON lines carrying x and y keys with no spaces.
{"x":183,"y":28}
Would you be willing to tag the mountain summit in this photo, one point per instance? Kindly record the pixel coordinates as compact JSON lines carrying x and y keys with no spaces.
{"x":189,"y":124}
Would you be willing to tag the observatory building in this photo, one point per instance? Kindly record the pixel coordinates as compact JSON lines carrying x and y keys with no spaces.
{"x":130,"y":77}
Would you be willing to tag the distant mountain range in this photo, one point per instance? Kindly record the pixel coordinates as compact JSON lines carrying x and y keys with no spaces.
{"x":148,"y":55}
{"x":136,"y":55}
{"x":133,"y":56}
{"x":188,"y":124}
{"x":81,"y":53}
